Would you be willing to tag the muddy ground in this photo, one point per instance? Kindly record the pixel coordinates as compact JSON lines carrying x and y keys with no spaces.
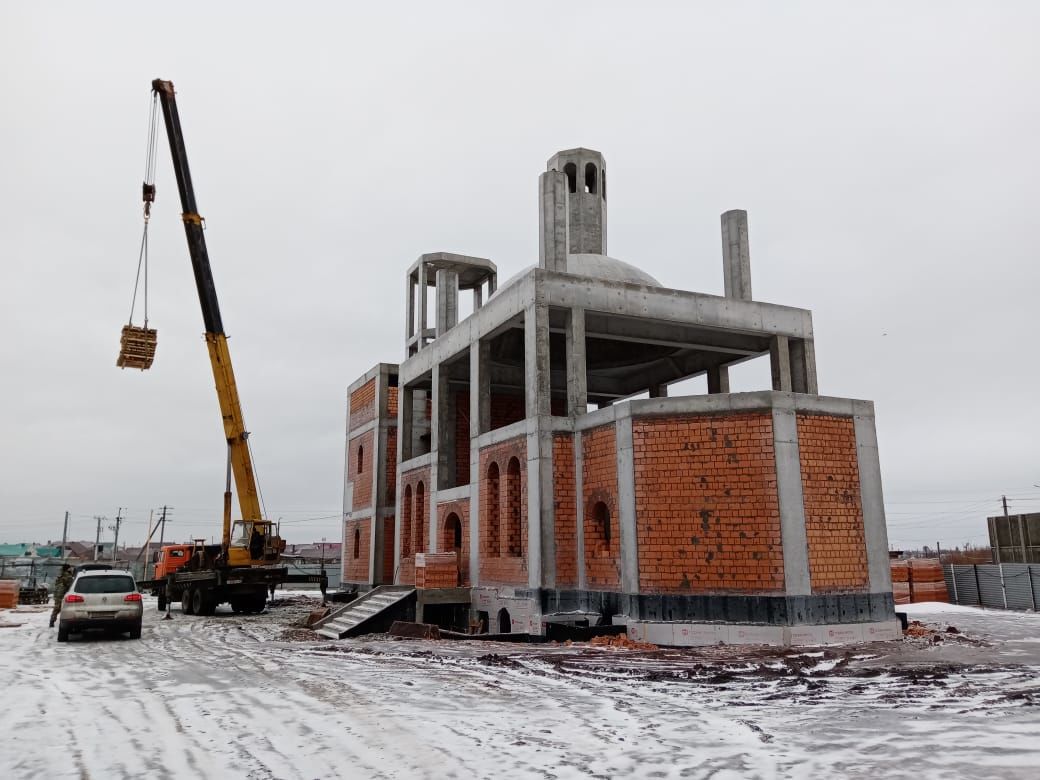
{"x":257,"y":697}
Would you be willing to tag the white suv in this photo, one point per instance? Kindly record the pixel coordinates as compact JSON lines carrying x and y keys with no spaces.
{"x":101,"y":599}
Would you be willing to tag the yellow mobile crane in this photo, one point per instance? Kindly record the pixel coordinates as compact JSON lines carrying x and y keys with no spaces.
{"x":244,"y":567}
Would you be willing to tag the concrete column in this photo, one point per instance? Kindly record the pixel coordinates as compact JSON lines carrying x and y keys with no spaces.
{"x":552,"y":221}
{"x":424,"y":287}
{"x":718,"y":379}
{"x":577,"y":377}
{"x":409,"y":310}
{"x":404,"y":441}
{"x":875,"y":532}
{"x":447,"y":301}
{"x":736,"y":255}
{"x":536,"y":360}
{"x":377,"y":471}
{"x":442,"y":432}
{"x":478,"y":297}
{"x":541,"y":520}
{"x":780,"y":363}
{"x":479,"y":422}
{"x":479,"y":388}
{"x":626,"y":477}
{"x":803,"y":366}
{"x":792,"y":506}
{"x":405,"y":399}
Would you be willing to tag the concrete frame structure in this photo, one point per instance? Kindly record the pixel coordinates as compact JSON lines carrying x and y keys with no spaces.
{"x":549,"y":503}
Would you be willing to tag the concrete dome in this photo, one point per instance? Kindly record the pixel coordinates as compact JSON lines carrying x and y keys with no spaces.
{"x":609,"y":269}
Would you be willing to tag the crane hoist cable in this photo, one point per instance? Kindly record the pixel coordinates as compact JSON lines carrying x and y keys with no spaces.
{"x":137,"y":345}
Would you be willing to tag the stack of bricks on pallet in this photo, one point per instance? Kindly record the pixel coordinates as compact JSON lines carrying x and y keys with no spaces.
{"x":918,"y":579}
{"x":8,"y":594}
{"x":901,"y":581}
{"x":436,"y":570}
{"x":926,"y":580}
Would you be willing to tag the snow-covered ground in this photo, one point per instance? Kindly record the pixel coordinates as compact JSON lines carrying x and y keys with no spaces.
{"x":238,"y":696}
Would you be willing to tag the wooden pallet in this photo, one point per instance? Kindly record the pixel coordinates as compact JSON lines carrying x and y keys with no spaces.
{"x":137,"y":347}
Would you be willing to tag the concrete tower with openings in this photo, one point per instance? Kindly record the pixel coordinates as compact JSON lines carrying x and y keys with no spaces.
{"x":529,"y":467}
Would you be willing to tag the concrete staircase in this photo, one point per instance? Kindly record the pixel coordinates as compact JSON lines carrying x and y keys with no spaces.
{"x":362,"y":615}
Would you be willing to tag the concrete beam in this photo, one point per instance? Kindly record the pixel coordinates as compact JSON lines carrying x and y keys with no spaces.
{"x":736,"y":255}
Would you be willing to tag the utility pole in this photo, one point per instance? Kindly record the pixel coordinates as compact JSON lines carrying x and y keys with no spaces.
{"x":65,"y":534}
{"x":162,"y":528}
{"x":148,"y":544}
{"x":97,"y":536}
{"x":115,"y":542}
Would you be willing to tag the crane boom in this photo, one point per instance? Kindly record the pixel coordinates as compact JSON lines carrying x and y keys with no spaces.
{"x":240,"y":461}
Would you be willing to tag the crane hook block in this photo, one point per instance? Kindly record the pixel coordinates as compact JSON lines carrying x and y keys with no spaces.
{"x":148,"y":192}
{"x":137,"y":347}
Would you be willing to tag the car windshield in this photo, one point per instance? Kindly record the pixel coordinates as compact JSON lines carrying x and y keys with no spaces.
{"x":105,"y":585}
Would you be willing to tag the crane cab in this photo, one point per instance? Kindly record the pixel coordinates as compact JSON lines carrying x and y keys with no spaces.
{"x":254,"y":543}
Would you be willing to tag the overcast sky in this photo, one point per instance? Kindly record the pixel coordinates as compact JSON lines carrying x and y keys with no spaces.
{"x":887,"y":154}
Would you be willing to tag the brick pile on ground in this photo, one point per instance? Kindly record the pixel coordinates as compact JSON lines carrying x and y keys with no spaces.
{"x":901,"y":581}
{"x":8,"y":594}
{"x":621,"y":641}
{"x":918,"y":579}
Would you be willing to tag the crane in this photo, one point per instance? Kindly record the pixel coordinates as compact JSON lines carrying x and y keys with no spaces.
{"x":253,"y":541}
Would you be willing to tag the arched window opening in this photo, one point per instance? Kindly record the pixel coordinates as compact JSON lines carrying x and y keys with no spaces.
{"x":493,"y":517}
{"x":511,"y":546}
{"x":603,"y":188}
{"x":601,"y":529}
{"x":420,"y":518}
{"x":572,"y":176}
{"x":453,"y":533}
{"x":360,"y":458}
{"x":357,"y":542}
{"x":505,"y":623}
{"x":406,"y":523}
{"x":590,"y":178}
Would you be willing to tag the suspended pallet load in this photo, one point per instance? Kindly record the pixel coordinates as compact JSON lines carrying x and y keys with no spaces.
{"x":137,"y":347}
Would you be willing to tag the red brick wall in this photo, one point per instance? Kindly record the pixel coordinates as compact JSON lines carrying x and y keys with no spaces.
{"x":707,"y":512}
{"x":444,"y":539}
{"x":363,"y":481}
{"x":391,"y":403}
{"x":599,"y":484}
{"x":833,"y":510}
{"x":437,"y":570}
{"x":565,"y":512}
{"x":363,"y":404}
{"x":356,"y":569}
{"x":494,"y":566}
{"x":410,"y":481}
{"x":391,"y":466}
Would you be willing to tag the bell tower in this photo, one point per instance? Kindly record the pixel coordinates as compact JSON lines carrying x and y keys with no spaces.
{"x":586,"y":185}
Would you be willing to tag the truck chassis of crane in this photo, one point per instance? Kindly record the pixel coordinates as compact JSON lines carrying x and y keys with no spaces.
{"x":245,"y":589}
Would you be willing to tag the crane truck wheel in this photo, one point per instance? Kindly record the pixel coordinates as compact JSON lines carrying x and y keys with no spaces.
{"x":186,"y":601}
{"x":200,"y":601}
